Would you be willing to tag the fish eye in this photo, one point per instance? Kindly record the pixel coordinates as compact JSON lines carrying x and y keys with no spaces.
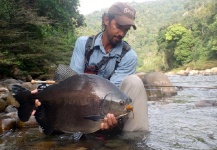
{"x":121,"y":103}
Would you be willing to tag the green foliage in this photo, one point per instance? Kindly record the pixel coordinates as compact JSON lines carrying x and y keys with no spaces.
{"x":181,"y":45}
{"x":36,"y":35}
{"x":64,"y":12}
{"x":153,"y":19}
{"x":177,"y":44}
{"x":175,"y":32}
{"x":202,"y":21}
{"x":183,"y":51}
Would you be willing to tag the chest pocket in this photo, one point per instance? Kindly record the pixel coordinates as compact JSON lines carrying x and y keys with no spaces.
{"x":95,"y":68}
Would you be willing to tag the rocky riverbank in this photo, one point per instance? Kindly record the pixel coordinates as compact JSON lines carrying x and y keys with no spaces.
{"x":8,"y":112}
{"x":189,"y":71}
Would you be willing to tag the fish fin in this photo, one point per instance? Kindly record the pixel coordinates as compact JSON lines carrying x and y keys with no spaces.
{"x":76,"y":136}
{"x":27,"y":104}
{"x":63,"y":72}
{"x":94,"y":117}
{"x":43,"y":120}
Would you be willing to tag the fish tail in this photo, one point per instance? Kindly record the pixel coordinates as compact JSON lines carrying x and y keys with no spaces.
{"x":26,"y":101}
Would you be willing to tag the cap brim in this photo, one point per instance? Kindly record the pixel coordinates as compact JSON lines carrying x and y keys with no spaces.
{"x":122,"y":20}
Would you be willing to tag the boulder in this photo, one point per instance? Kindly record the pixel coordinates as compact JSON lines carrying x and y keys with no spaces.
{"x":182,"y":73}
{"x":12,"y":81}
{"x":3,"y":105}
{"x":194,"y":72}
{"x":29,"y":86}
{"x":207,"y":72}
{"x":7,"y":124}
{"x":140,"y":75}
{"x":188,"y":69}
{"x":170,"y":73}
{"x":3,"y":93}
{"x":10,"y":109}
{"x":214,"y":70}
{"x":206,"y":103}
{"x":12,"y":101}
{"x":157,"y":85}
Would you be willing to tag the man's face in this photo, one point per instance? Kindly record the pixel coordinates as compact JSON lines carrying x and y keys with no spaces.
{"x":115,"y":32}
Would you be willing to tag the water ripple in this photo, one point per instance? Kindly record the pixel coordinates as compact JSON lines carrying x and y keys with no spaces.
{"x":179,"y":124}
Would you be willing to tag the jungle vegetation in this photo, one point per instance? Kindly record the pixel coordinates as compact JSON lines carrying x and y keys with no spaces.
{"x":36,"y":36}
{"x":170,"y":33}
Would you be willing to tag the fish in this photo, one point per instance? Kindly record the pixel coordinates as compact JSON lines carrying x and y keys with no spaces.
{"x":76,"y":104}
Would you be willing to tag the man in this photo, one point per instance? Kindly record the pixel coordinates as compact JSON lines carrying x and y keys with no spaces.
{"x":108,"y":47}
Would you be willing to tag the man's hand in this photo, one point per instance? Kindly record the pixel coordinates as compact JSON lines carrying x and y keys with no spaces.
{"x":37,"y":102}
{"x":109,"y":122}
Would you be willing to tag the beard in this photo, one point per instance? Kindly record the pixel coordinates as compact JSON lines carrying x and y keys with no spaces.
{"x":115,"y":40}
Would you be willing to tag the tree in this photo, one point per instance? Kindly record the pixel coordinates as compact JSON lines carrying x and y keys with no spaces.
{"x":183,"y":50}
{"x":35,"y":35}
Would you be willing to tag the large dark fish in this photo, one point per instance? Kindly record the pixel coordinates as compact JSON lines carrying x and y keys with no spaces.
{"x":76,"y":104}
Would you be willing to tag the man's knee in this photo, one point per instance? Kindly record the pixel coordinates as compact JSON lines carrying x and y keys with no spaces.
{"x":132,"y":81}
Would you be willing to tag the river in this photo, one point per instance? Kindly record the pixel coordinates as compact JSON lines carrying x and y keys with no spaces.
{"x":176,"y":123}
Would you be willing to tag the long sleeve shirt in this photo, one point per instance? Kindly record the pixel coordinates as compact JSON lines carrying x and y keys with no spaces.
{"x":126,"y":67}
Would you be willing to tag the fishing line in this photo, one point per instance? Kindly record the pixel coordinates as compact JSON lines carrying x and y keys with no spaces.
{"x":179,"y":87}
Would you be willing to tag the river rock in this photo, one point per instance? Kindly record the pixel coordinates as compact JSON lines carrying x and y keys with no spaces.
{"x":11,"y":115}
{"x":3,"y":93}
{"x":208,"y":72}
{"x":182,"y":73}
{"x":155,"y":79}
{"x":214,"y":70}
{"x":206,"y":103}
{"x":194,"y":72}
{"x":3,"y":105}
{"x":30,"y":123}
{"x":7,"y":124}
{"x":29,"y":86}
{"x":12,"y":101}
{"x":12,"y":81}
{"x":188,"y":69}
{"x":8,"y":121}
{"x":141,"y":75}
{"x":10,"y":109}
{"x":171,"y":73}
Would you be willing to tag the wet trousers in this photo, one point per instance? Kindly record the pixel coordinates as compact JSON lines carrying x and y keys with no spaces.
{"x":133,"y":87}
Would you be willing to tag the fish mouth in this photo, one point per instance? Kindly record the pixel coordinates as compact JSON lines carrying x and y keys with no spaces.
{"x":129,"y":108}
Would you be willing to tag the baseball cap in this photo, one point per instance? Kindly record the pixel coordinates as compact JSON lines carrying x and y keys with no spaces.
{"x":124,"y":14}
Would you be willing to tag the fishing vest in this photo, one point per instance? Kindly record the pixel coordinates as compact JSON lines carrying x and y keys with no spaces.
{"x":89,"y":48}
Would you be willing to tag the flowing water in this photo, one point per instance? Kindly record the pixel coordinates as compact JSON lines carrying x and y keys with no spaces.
{"x":176,"y":123}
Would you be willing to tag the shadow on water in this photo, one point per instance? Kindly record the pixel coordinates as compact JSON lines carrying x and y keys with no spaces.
{"x":31,"y":138}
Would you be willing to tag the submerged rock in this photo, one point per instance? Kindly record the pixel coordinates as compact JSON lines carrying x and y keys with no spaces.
{"x":206,"y":103}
